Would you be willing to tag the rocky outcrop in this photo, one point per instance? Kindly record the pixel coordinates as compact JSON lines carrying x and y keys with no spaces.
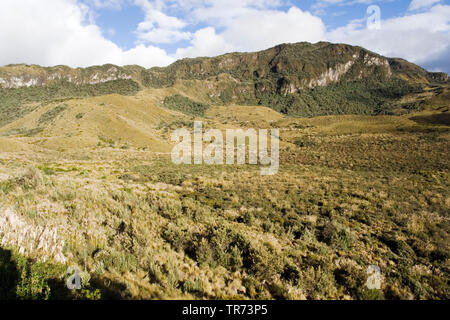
{"x":18,"y":76}
{"x":440,"y":77}
{"x":332,"y":75}
{"x":365,"y":66}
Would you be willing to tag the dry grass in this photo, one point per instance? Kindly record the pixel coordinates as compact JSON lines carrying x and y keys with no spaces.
{"x":352,"y":191}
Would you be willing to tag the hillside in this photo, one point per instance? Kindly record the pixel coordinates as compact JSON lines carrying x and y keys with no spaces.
{"x":64,"y":109}
{"x":300,"y":79}
{"x":87,"y":181}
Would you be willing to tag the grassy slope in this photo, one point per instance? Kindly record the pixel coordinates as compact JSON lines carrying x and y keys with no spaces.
{"x":269,"y":77}
{"x":351,"y":191}
{"x":15,"y":103}
{"x":260,"y":78}
{"x":94,"y":122}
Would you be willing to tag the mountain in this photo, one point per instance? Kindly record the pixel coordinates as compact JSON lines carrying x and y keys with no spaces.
{"x":290,"y":66}
{"x":299,"y":79}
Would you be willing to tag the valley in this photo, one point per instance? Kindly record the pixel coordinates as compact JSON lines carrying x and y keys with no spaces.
{"x":86,"y":179}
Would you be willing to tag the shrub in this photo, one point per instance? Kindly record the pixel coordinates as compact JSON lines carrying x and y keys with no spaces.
{"x":30,"y":179}
{"x":185,"y":105}
{"x":356,"y":97}
{"x":22,"y":278}
{"x":7,"y":186}
{"x":195,"y":286}
{"x":52,"y":114}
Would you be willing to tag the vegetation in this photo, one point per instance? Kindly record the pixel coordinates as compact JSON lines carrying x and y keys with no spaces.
{"x":22,"y":278}
{"x":52,"y":114}
{"x":363,"y":97}
{"x":352,"y":191}
{"x":15,"y":103}
{"x":365,"y":183}
{"x":185,"y":105}
{"x":264,"y":78}
{"x":269,"y":78}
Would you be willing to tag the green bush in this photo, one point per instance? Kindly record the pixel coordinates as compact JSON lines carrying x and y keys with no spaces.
{"x":185,"y":105}
{"x":22,"y":278}
{"x":355,"y":97}
{"x":52,"y":114}
{"x":7,"y":186}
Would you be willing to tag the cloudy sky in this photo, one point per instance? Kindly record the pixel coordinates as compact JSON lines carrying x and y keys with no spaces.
{"x":156,"y":33}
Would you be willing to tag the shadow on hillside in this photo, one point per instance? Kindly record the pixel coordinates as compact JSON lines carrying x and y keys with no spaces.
{"x":13,"y":277}
{"x":442,"y":118}
{"x":9,"y":275}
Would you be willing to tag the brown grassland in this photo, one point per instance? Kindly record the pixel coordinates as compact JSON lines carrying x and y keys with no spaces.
{"x":89,"y":183}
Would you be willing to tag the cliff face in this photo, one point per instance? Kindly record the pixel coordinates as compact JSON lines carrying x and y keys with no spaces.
{"x":17,"y":76}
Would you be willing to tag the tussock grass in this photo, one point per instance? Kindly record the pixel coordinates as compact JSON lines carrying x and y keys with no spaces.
{"x":352,"y":191}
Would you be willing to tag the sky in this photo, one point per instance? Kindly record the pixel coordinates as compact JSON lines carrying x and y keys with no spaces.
{"x":149,"y":33}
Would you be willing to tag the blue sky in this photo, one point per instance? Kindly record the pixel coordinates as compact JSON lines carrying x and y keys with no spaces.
{"x":123,"y":19}
{"x":156,"y":32}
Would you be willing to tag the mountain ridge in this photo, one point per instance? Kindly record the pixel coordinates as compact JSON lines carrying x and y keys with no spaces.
{"x":19,"y":75}
{"x":300,"y":79}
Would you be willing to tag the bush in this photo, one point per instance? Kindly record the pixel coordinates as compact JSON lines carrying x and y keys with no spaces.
{"x":30,"y":179}
{"x":7,"y":186}
{"x":355,"y":97}
{"x":52,"y":114}
{"x":195,"y":286}
{"x":185,"y":105}
{"x":22,"y":278}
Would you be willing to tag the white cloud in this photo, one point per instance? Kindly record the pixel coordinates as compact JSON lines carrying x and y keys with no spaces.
{"x":420,"y":38}
{"x":234,"y":25}
{"x":51,"y":32}
{"x":159,"y":27}
{"x":159,"y":35}
{"x":250,"y":25}
{"x":112,"y":4}
{"x":320,"y":4}
{"x":419,"y":4}
{"x":222,"y":13}
{"x":146,"y":56}
{"x":261,"y":29}
{"x":205,"y":43}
